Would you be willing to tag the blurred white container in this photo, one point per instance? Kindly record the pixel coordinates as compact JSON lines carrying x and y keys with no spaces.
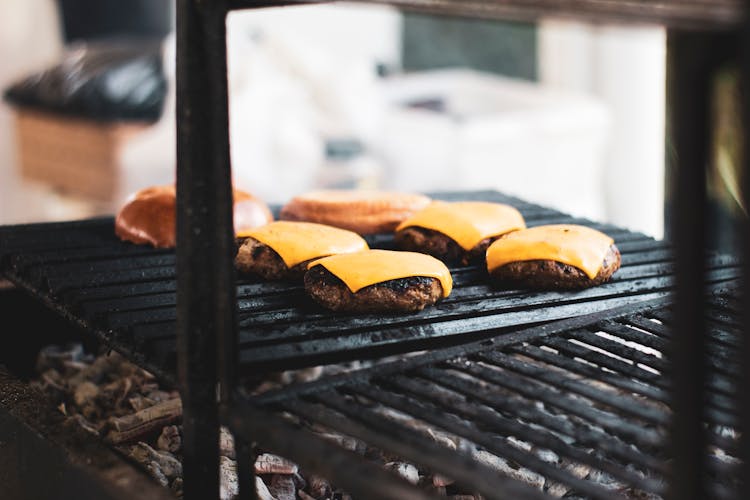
{"x":625,"y":66}
{"x":492,"y":132}
{"x":292,"y":84}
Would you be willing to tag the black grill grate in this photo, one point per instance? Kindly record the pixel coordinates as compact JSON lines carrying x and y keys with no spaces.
{"x":126,"y":295}
{"x":577,"y":407}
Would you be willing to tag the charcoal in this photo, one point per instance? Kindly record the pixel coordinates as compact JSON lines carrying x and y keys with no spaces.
{"x":272,"y":464}
{"x":319,"y":487}
{"x":156,"y":472}
{"x":282,"y":487}
{"x":226,"y":443}
{"x":304,"y":496}
{"x":228,"y":485}
{"x":170,"y":439}
{"x":262,"y":490}
{"x":176,"y":486}
{"x":55,"y":356}
{"x":405,"y":470}
{"x":440,"y":480}
{"x":346,"y":442}
{"x":169,"y":465}
{"x":501,"y":465}
{"x":85,"y":393}
{"x":84,"y":424}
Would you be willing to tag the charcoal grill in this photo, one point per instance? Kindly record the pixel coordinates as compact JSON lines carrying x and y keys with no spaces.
{"x":126,"y":295}
{"x":587,"y":392}
{"x":499,"y":363}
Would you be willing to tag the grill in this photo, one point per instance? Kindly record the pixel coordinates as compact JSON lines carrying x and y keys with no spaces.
{"x":125,"y":295}
{"x":550,"y":385}
{"x":561,"y":371}
{"x":580,"y":406}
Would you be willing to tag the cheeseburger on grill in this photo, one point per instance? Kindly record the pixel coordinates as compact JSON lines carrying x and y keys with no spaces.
{"x":378,"y":281}
{"x":148,"y":216}
{"x":457,"y":232}
{"x":560,"y":256}
{"x":282,"y":249}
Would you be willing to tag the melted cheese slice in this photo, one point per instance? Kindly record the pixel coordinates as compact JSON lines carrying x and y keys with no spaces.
{"x":361,"y":269}
{"x":297,"y":242}
{"x":578,"y":246}
{"x":467,"y":222}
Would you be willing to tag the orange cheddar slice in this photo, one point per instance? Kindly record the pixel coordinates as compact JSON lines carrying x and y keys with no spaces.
{"x":297,"y":242}
{"x":575,"y":245}
{"x":467,"y":222}
{"x":361,"y":269}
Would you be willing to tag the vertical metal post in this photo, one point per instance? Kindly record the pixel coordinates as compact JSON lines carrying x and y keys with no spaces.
{"x":744,"y":227}
{"x":245,"y":470}
{"x":205,"y":237}
{"x":688,"y":93}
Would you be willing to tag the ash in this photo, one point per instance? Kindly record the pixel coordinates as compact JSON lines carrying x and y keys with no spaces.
{"x":125,"y":406}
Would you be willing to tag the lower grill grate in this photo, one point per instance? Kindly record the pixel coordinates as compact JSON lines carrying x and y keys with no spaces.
{"x":577,"y":407}
{"x":125,"y":294}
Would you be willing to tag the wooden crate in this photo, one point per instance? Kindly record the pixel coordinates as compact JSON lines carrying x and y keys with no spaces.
{"x":77,"y":157}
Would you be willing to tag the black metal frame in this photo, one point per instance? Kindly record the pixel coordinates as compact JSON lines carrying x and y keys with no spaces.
{"x":207,"y":329}
{"x":529,"y":377}
{"x":205,"y":236}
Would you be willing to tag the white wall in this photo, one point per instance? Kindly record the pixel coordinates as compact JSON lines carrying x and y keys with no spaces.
{"x":273,"y":142}
{"x":626,"y":67}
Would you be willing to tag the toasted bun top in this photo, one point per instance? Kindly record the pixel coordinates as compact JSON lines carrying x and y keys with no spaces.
{"x":149,"y":215}
{"x":467,"y":222}
{"x":578,"y":246}
{"x":361,"y":211}
{"x":296,"y":242}
{"x":370,"y":267}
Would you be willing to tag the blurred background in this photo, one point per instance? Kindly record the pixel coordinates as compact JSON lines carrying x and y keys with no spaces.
{"x":560,"y":113}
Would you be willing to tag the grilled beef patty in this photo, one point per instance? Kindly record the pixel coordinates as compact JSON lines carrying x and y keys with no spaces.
{"x":550,"y":274}
{"x":399,"y":295}
{"x":440,"y":246}
{"x":254,"y":257}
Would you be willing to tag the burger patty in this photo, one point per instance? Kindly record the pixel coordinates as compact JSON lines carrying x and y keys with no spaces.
{"x":440,"y":246}
{"x":399,"y":295}
{"x":254,"y":257}
{"x":550,"y":274}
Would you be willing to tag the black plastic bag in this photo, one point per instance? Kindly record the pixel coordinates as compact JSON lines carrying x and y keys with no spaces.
{"x":104,"y":80}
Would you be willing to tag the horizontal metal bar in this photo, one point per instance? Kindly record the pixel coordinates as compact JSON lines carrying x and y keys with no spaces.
{"x":529,"y":334}
{"x":632,"y":355}
{"x":525,"y":409}
{"x":594,"y":373}
{"x":495,"y":425}
{"x":717,"y":383}
{"x":353,"y":473}
{"x":722,"y":334}
{"x":105,"y":278}
{"x":404,"y":442}
{"x":616,"y":401}
{"x":445,"y":333}
{"x":651,"y":439}
{"x":290,"y":323}
{"x":684,"y":14}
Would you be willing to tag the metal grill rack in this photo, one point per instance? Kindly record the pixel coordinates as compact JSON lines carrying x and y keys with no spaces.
{"x":195,"y":291}
{"x":577,"y":407}
{"x":126,"y":295}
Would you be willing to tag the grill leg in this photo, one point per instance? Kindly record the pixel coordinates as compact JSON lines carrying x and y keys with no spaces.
{"x":245,"y":473}
{"x":692,"y":60}
{"x":689,"y":121}
{"x":205,"y":274}
{"x":744,"y":391}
